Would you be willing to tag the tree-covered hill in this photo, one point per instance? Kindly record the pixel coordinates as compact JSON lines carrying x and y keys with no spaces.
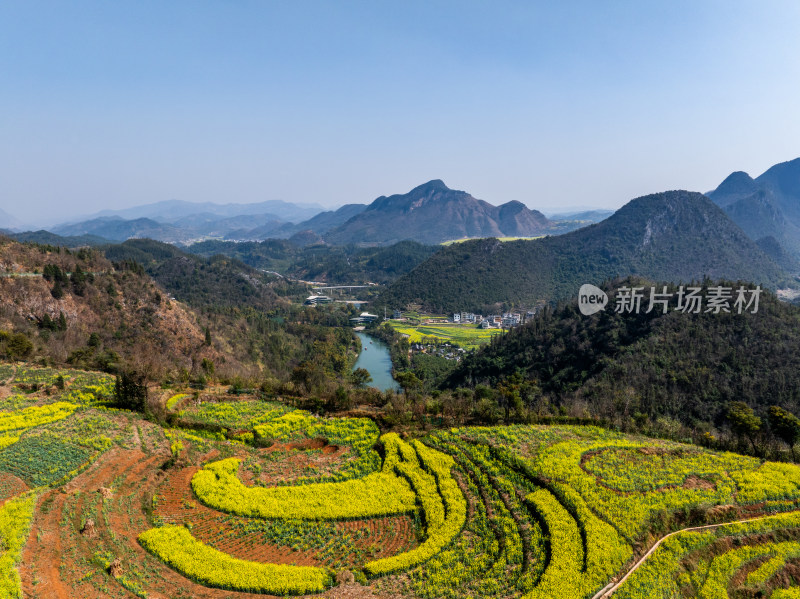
{"x":684,"y":366}
{"x":672,"y":236}
{"x":248,"y":313}
{"x":81,"y":309}
{"x":432,"y":213}
{"x":78,"y":308}
{"x":201,"y":282}
{"x":767,"y":206}
{"x":335,"y":264}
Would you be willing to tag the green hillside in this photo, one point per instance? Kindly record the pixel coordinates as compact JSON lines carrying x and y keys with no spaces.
{"x":638,"y":368}
{"x":336,"y":264}
{"x":673,"y":236}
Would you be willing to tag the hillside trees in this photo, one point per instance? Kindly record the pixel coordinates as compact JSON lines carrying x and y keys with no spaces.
{"x":744,"y":422}
{"x":267,"y":335}
{"x":785,"y":425}
{"x":130,"y":391}
{"x":81,"y":296}
{"x":681,"y":366}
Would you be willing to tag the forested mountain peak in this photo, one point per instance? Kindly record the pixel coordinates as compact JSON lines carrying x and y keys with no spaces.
{"x":671,"y":236}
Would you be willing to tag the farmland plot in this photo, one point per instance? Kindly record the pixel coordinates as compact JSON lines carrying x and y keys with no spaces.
{"x":292,"y":500}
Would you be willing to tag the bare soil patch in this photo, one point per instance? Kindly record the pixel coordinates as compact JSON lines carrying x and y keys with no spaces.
{"x":317,"y":443}
{"x":10,"y":486}
{"x":695,"y":482}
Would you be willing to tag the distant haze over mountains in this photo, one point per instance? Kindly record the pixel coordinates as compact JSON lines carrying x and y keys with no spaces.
{"x":9,"y":222}
{"x":177,"y":221}
{"x":767,"y":206}
{"x":594,"y":216}
{"x":430,"y":213}
{"x":172,"y":210}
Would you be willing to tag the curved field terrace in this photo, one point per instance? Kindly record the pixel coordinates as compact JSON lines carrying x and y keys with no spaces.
{"x":98,"y":502}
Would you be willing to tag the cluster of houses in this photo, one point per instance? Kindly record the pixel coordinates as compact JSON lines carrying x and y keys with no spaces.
{"x":443,"y":350}
{"x":495,"y":321}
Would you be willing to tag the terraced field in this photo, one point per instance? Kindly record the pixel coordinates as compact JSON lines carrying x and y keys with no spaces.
{"x":100,"y":503}
{"x":757,"y":558}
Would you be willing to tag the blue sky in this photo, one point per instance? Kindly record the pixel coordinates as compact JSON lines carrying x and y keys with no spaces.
{"x":113,"y":104}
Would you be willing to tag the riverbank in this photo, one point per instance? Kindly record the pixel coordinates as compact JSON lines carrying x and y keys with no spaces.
{"x":376,"y":360}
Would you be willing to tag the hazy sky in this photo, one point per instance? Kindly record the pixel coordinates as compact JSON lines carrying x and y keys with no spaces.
{"x":109,"y":104}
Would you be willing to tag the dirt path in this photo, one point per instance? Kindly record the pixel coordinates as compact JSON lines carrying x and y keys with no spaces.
{"x":58,"y":560}
{"x":39,"y":569}
{"x":611,"y":587}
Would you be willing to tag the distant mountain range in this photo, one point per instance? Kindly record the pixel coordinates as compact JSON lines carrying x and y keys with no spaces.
{"x":767,"y":206}
{"x":182,"y":222}
{"x":325,"y":221}
{"x":119,"y":229}
{"x":48,"y":238}
{"x":673,"y":236}
{"x":594,"y":216}
{"x":318,"y":224}
{"x":205,"y":225}
{"x":170,"y":211}
{"x":9,"y":222}
{"x":433,"y":213}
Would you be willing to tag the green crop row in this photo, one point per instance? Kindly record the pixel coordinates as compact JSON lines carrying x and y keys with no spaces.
{"x":723,"y":567}
{"x":327,"y":539}
{"x":6,"y":372}
{"x":632,"y":484}
{"x":507,"y":488}
{"x":40,"y":376}
{"x":406,"y":467}
{"x":43,"y":459}
{"x":780,"y":552}
{"x":486,"y":558}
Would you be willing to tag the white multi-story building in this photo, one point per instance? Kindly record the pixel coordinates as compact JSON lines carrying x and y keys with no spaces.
{"x":313,"y":300}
